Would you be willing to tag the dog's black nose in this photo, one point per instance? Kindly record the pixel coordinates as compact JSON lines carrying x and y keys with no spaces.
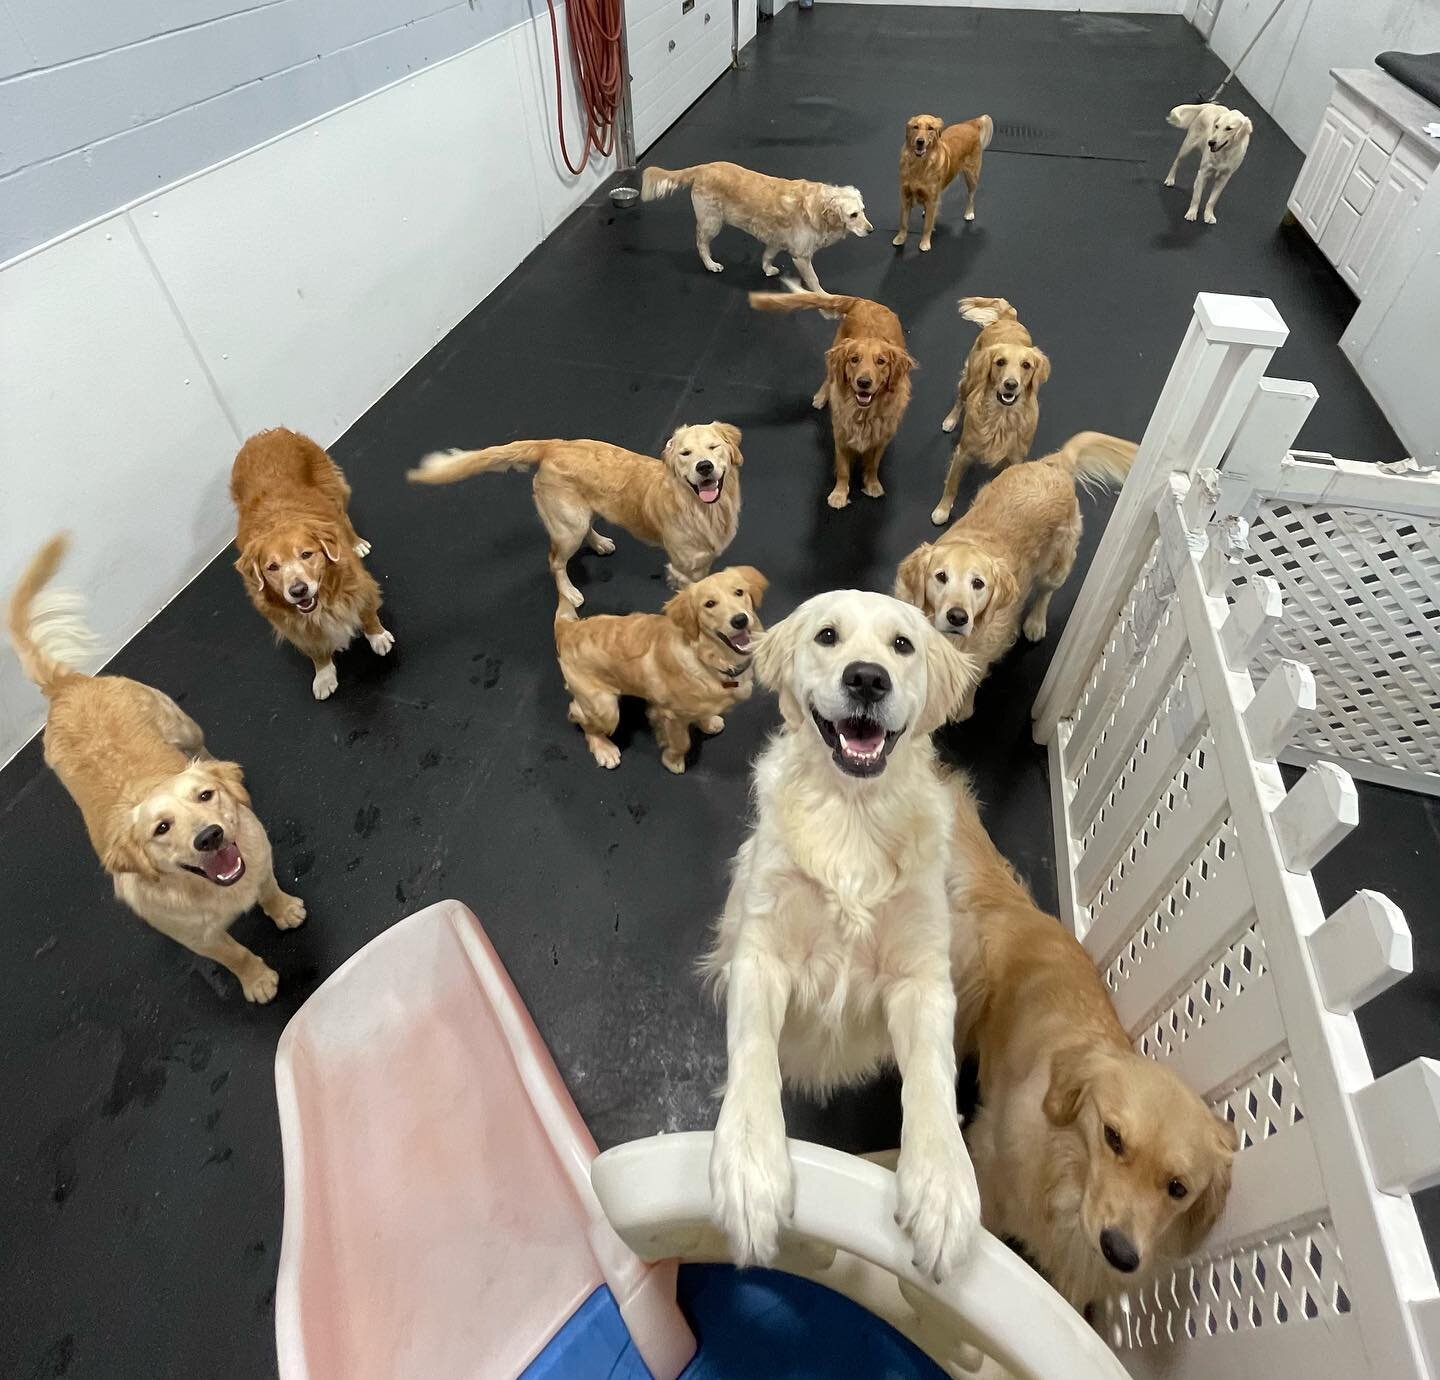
{"x":957,"y":618}
{"x":865,"y":680}
{"x":209,"y":838}
{"x":705,"y":467}
{"x":740,"y":620}
{"x":1118,"y":1249}
{"x":299,"y":589}
{"x":919,"y":146}
{"x":865,"y":383}
{"x":1213,"y":146}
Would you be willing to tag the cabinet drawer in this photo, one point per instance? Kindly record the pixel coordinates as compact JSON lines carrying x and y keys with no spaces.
{"x":1358,"y":190}
{"x":1384,"y":132}
{"x":1373,"y":158}
{"x":1338,"y":230}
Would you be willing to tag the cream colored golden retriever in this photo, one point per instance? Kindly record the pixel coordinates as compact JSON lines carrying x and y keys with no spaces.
{"x":998,"y":395}
{"x":1222,"y":135}
{"x":866,"y":384}
{"x":794,"y":215}
{"x":689,"y":663}
{"x":172,"y":826}
{"x":1011,"y":551}
{"x":1098,"y":1161}
{"x":299,"y":554}
{"x":687,"y":502}
{"x":834,"y":949}
{"x":931,"y":157}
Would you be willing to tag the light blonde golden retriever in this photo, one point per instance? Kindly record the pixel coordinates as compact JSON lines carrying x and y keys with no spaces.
{"x":866,"y":384}
{"x":687,"y":502}
{"x":300,"y":555}
{"x":1222,"y":135}
{"x":931,"y":157}
{"x":689,"y":663}
{"x":171,"y":825}
{"x":834,"y":949}
{"x":998,"y":395}
{"x":1011,"y":551}
{"x":797,"y":216}
{"x":1098,"y":1161}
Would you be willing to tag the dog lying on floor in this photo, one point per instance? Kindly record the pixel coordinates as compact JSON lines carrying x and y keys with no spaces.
{"x":931,"y":157}
{"x":866,"y":383}
{"x":300,"y":555}
{"x":687,"y":502}
{"x":797,"y":216}
{"x":1012,"y":550}
{"x":998,"y":395}
{"x":171,"y":825}
{"x":690,"y":663}
{"x":833,"y":952}
{"x":1222,"y":135}
{"x":1097,"y":1160}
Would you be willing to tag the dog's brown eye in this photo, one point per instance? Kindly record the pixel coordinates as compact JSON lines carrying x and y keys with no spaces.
{"x":1001,"y":361}
{"x":853,"y":214}
{"x":206,"y":794}
{"x":977,"y":583}
{"x":739,"y":593}
{"x":827,"y":637}
{"x":1114,"y":1141}
{"x":1176,"y":1189}
{"x":274,"y":565}
{"x":854,"y":359}
{"x":709,"y":603}
{"x":162,"y":828}
{"x":941,"y":578}
{"x":904,"y":646}
{"x":685,"y":452}
{"x":305,"y":555}
{"x":1027,"y":365}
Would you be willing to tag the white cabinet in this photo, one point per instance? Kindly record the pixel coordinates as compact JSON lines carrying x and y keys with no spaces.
{"x":676,"y":49}
{"x":1366,"y":172}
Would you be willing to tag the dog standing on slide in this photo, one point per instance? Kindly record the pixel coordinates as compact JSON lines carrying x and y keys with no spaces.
{"x":834,"y":949}
{"x":866,"y":383}
{"x":1222,"y":135}
{"x":931,"y":157}
{"x":797,"y":216}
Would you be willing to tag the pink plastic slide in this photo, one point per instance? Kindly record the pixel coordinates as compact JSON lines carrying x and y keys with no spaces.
{"x":439,"y":1219}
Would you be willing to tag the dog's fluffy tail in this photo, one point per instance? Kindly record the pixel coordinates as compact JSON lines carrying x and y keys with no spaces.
{"x":46,"y":627}
{"x":987,"y":130}
{"x":986,"y":311}
{"x":658,"y":182}
{"x":1183,"y":116}
{"x":795,"y":298}
{"x":1092,"y":455}
{"x":451,"y":466}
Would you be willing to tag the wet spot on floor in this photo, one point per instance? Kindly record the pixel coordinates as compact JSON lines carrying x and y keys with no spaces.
{"x":429,"y":758}
{"x":366,"y":818}
{"x":302,"y":863}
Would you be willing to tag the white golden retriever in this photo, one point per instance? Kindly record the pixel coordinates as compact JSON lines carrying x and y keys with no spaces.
{"x":1222,"y":135}
{"x":835,"y":948}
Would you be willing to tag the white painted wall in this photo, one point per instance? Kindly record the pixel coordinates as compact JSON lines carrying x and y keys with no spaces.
{"x":1289,"y":71}
{"x":137,"y":352}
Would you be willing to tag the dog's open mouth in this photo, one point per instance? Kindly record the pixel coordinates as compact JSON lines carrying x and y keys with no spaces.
{"x":306,"y":605}
{"x":224,"y":866}
{"x":738,"y":642}
{"x":858,"y":745}
{"x":707,"y":490}
{"x":863,"y":399}
{"x":1008,"y":399}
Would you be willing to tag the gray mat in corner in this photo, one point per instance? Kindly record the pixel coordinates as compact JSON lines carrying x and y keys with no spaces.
{"x":1419,"y":71}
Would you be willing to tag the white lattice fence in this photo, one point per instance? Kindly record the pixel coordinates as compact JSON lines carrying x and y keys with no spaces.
{"x":1185,"y":872}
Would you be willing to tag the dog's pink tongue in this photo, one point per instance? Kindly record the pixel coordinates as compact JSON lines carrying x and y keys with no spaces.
{"x":709,"y":490}
{"x":741,"y":641}
{"x":222,"y":863}
{"x":863,"y":734}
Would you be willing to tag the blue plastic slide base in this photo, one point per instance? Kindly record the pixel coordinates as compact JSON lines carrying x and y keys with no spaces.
{"x":751,"y":1325}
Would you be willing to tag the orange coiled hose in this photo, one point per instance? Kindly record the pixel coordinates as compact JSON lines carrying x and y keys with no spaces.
{"x":594,"y":27}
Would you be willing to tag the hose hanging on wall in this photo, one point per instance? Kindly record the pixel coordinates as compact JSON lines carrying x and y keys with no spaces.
{"x":594,"y":27}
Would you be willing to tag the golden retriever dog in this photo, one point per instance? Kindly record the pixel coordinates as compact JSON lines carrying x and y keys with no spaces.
{"x":690,"y":663}
{"x":866,"y":383}
{"x":1222,"y":135}
{"x":1011,"y":551}
{"x":171,"y":825}
{"x":299,"y":555}
{"x":797,"y":216}
{"x":998,"y":395}
{"x":1098,"y":1161}
{"x":834,"y":949}
{"x":687,"y":502}
{"x":931,"y":158}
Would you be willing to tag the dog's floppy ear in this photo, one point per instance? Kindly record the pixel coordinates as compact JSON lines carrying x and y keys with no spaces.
{"x":231,"y":778}
{"x":682,"y":611}
{"x":731,"y":436}
{"x":1247,"y":125}
{"x":910,"y":577}
{"x":1193,"y":1225}
{"x":1004,"y":591}
{"x":832,"y":214}
{"x":753,"y":581}
{"x":950,"y":675}
{"x":835,"y":361}
{"x":667,"y":451}
{"x":774,"y":665}
{"x":249,"y":565}
{"x":328,"y":539}
{"x":123,"y":853}
{"x":901,"y":362}
{"x":1041,"y":372}
{"x":1070,"y":1074}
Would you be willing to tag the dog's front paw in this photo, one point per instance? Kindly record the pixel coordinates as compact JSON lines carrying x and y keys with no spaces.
{"x":940,"y":514}
{"x":924,"y":246}
{"x":606,"y":754}
{"x":770,"y":270}
{"x":1190,"y":214}
{"x":674,"y":762}
{"x":938,"y":1201}
{"x":752,"y":1187}
{"x":1210,"y":218}
{"x":380,"y":642}
{"x":873,"y":489}
{"x":819,"y":400}
{"x":838,"y":498}
{"x":899,"y":240}
{"x":1034,"y":628}
{"x":362,"y":547}
{"x":260,"y":984}
{"x":602,"y":546}
{"x":715,"y":268}
{"x":713,"y":725}
{"x":289,"y":913}
{"x":572,"y":596}
{"x":969,"y":215}
{"x":950,"y":423}
{"x":323,"y":686}
{"x":1170,"y":181}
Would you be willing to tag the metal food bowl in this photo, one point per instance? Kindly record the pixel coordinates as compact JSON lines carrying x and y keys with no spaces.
{"x":624,"y":196}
